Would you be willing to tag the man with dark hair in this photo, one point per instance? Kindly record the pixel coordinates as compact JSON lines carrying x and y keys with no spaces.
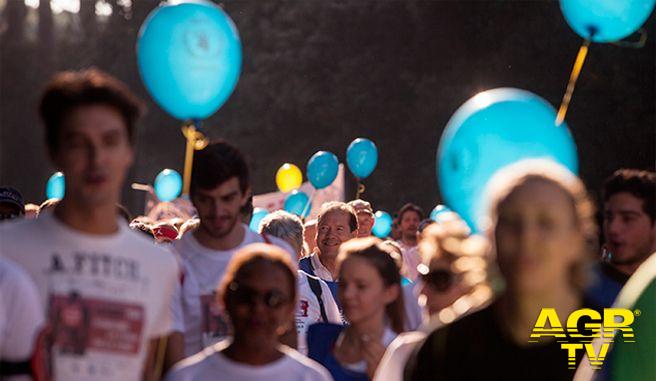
{"x":410,"y":215}
{"x":629,"y":230}
{"x":220,"y":190}
{"x":82,"y":246}
{"x":336,"y":224}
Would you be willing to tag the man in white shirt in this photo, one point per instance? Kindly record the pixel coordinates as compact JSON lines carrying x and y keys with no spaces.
{"x":107,"y":290}
{"x":220,"y":188}
{"x":409,"y":217}
{"x":336,"y":224}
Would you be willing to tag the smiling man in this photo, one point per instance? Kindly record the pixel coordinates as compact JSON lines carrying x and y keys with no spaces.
{"x":107,"y":289}
{"x":220,"y":188}
{"x":629,"y":229}
{"x":336,"y":224}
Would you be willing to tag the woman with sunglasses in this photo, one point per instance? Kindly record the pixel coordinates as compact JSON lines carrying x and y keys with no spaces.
{"x":442,"y":282}
{"x":259,"y":295}
{"x":542,"y":231}
{"x":370,"y":293}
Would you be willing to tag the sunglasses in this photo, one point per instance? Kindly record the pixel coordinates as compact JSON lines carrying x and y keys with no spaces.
{"x":438,"y":280}
{"x":243,"y":295}
{"x":9,"y":216}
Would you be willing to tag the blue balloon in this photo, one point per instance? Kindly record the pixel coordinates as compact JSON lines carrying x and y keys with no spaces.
{"x":382,"y":225}
{"x":606,"y":20}
{"x":168,"y":185}
{"x":491,"y":130}
{"x":296,"y":203}
{"x":435,"y":213}
{"x":258,"y":215}
{"x":56,"y":186}
{"x":189,"y":57}
{"x":322,"y":169}
{"x":362,"y":157}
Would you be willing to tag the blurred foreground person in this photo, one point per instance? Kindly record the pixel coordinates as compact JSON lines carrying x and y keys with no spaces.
{"x":370,"y":294}
{"x":21,"y":317}
{"x":315,"y":301}
{"x":107,"y":290}
{"x":542,"y":230}
{"x":259,"y":294}
{"x":454,"y":282}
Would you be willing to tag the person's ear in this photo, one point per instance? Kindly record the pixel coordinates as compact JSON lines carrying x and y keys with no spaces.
{"x":391,"y":293}
{"x":245,"y":196}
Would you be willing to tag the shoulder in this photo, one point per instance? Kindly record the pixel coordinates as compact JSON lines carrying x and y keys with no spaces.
{"x":161,"y":258}
{"x":190,"y":367}
{"x":13,"y":277}
{"x":305,"y":365}
{"x":18,"y":228}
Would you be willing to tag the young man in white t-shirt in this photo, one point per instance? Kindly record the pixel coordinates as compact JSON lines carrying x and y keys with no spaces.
{"x":106,"y":290}
{"x":219,"y":189}
{"x":21,"y":317}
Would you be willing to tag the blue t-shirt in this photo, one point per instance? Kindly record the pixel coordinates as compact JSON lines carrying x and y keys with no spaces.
{"x":321,"y":338}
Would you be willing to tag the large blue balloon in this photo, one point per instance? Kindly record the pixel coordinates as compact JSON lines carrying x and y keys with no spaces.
{"x":296,"y":203}
{"x":189,"y":57}
{"x":168,"y":185}
{"x":382,"y":224}
{"x":258,"y":215}
{"x":322,"y":169}
{"x":56,"y":186}
{"x":606,"y":20}
{"x":491,"y":130}
{"x":362,"y":157}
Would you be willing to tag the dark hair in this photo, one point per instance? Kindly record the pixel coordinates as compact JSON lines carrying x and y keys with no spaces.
{"x":410,"y":207}
{"x":71,"y":89}
{"x":337,"y":206}
{"x":240,"y":265}
{"x":385,"y":260}
{"x":640,"y":184}
{"x":216,"y":164}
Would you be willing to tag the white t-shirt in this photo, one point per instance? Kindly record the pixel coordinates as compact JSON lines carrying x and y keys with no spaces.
{"x":392,"y":364}
{"x":21,"y":315}
{"x":105,"y":296}
{"x":309,"y":312}
{"x":204,"y":320}
{"x":411,"y":259}
{"x":212,"y":364}
{"x":414,"y":313}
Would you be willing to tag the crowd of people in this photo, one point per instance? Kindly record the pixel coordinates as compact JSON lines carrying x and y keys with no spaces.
{"x":88,"y":292}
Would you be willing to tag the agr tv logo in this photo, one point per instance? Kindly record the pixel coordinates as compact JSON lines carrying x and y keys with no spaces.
{"x":614,"y":319}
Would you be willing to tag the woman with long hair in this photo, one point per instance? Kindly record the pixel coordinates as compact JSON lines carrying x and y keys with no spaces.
{"x":542,"y":232}
{"x":370,"y":293}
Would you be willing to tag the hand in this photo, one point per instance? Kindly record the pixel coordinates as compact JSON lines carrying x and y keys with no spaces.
{"x":372,"y":351}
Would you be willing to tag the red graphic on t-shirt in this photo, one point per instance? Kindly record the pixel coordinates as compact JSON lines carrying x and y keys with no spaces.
{"x":214,"y":319}
{"x":80,"y":324}
{"x":303,"y":306}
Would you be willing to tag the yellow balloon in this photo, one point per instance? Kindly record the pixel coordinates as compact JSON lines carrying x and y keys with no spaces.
{"x":288,"y":177}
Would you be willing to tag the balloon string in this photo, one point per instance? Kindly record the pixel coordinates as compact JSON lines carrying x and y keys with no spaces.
{"x":574,"y":76}
{"x":360,"y":191}
{"x":642,"y":40}
{"x":196,"y":140}
{"x":307,"y":205}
